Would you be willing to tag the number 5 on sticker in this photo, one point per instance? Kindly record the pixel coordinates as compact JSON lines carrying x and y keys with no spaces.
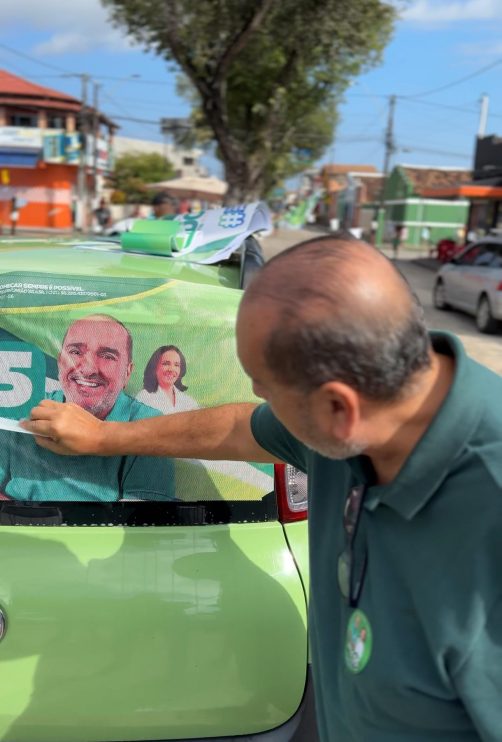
{"x":22,"y":378}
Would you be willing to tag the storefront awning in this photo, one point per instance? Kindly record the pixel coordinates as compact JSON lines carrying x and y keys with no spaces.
{"x":468,"y":190}
{"x":19,"y":157}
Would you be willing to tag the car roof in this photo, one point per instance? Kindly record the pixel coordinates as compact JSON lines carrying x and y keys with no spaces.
{"x":490,"y":239}
{"x":105,"y":258}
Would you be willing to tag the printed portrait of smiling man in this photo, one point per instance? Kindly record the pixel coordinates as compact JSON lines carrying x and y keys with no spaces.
{"x":95,"y":363}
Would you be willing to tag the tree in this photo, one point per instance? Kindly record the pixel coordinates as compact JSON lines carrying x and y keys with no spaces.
{"x":269,"y":74}
{"x":133,"y":171}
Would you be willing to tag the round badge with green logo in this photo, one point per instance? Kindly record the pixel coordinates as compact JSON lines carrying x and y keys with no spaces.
{"x":358,"y":642}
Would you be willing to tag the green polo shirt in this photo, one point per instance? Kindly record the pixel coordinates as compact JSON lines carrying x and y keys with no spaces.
{"x":31,"y":473}
{"x":428,"y":665}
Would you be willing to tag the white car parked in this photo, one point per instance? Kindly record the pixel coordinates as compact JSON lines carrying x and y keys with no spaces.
{"x":472,"y":282}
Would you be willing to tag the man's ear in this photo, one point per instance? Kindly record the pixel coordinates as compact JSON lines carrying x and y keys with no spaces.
{"x":339,"y":409}
{"x":130,"y":367}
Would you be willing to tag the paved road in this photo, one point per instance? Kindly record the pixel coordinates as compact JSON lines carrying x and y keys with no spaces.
{"x":484,"y":348}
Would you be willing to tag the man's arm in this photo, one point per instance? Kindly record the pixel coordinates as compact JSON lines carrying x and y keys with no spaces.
{"x":211,"y":433}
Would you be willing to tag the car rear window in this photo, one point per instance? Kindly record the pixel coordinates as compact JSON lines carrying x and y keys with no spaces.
{"x":124,"y":349}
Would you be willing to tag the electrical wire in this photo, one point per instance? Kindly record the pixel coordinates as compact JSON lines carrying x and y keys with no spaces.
{"x":32,"y":59}
{"x":413,"y":148}
{"x":459,"y":81}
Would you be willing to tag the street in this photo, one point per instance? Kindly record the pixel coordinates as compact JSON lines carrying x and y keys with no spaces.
{"x":486,"y":349}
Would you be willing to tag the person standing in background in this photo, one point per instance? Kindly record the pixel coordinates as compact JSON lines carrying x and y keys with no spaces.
{"x":14,"y":215}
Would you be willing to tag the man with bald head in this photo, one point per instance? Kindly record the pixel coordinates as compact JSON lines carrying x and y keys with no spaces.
{"x":401,"y":436}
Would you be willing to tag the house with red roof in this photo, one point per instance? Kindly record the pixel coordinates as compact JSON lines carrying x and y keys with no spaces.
{"x":41,"y":136}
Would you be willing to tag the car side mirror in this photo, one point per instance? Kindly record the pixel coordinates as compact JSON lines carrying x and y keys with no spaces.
{"x":455,"y":261}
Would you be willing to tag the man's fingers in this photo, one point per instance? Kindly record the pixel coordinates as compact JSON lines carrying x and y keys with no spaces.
{"x":50,"y":444}
{"x":45,"y":409}
{"x":37,"y":427}
{"x":64,"y":428}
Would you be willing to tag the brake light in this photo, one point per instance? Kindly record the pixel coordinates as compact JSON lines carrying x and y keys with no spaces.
{"x":499,"y":287}
{"x":291,"y":491}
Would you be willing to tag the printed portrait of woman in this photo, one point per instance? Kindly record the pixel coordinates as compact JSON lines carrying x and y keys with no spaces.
{"x":163,"y":386}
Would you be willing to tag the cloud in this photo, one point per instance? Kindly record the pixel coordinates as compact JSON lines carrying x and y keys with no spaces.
{"x":433,"y":12}
{"x":71,"y":42}
{"x":72,"y":27}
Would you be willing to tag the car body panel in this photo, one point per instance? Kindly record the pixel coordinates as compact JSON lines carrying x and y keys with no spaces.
{"x":465,"y":282}
{"x":97,"y":260}
{"x":158,"y":632}
{"x":297,"y":536}
{"x":149,"y":633}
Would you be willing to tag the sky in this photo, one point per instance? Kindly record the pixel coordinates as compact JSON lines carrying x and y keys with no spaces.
{"x":443,"y":57}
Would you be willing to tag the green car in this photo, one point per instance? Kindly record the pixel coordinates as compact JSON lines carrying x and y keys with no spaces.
{"x":141,"y":598}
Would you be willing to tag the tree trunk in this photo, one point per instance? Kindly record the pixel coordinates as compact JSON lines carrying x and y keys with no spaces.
{"x":242,"y":186}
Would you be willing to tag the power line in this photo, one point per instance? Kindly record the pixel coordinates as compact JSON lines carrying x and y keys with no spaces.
{"x":136,"y":80}
{"x":134,"y":120}
{"x":406,"y":99}
{"x":459,"y":81}
{"x":32,"y":59}
{"x":413,"y":148}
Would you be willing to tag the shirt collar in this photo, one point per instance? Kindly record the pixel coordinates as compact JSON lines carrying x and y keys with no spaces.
{"x":119,"y":411}
{"x":430,"y":461}
{"x":121,"y":408}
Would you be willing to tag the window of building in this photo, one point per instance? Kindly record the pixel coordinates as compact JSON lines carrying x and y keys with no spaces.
{"x":23,"y":119}
{"x":55,"y":122}
{"x":188,"y":161}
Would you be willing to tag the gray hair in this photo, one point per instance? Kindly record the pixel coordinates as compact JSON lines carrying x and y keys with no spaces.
{"x":324,"y":333}
{"x":377,"y":362}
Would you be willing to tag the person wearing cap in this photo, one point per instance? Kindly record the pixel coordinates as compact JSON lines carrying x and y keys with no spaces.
{"x":163,"y":206}
{"x":400,"y":434}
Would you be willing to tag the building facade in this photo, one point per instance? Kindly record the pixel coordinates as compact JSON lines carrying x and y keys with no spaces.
{"x":345,"y":192}
{"x":44,"y":169}
{"x":413,"y":203}
{"x":185,"y":161}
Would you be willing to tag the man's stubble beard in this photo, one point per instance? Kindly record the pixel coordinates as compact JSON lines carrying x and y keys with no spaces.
{"x":338,"y":450}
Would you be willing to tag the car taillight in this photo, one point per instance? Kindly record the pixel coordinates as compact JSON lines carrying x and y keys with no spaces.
{"x":499,"y":287}
{"x":291,"y":490}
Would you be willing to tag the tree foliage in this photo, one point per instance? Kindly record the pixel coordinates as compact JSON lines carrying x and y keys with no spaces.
{"x":268,"y":73}
{"x":133,"y":171}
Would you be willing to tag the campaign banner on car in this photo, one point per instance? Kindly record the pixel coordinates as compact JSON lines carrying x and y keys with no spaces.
{"x":122,"y":348}
{"x":204,"y":237}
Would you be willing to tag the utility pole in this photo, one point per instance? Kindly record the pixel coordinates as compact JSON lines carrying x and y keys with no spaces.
{"x":81,"y":178}
{"x":390,"y":148}
{"x":390,"y":145}
{"x":95,"y":137}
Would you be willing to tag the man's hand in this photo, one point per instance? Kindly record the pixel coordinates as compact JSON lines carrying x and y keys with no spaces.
{"x":64,"y":428}
{"x":221,"y":433}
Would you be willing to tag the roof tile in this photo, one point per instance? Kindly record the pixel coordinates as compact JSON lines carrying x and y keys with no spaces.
{"x":13,"y":85}
{"x":427,"y":178}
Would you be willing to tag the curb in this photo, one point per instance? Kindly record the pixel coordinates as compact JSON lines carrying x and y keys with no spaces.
{"x":430,"y":264}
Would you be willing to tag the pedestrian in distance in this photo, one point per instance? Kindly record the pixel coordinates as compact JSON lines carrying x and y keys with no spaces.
{"x":401,"y":436}
{"x":14,"y":215}
{"x":163,"y":206}
{"x":396,"y":240}
{"x":103,"y":216}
